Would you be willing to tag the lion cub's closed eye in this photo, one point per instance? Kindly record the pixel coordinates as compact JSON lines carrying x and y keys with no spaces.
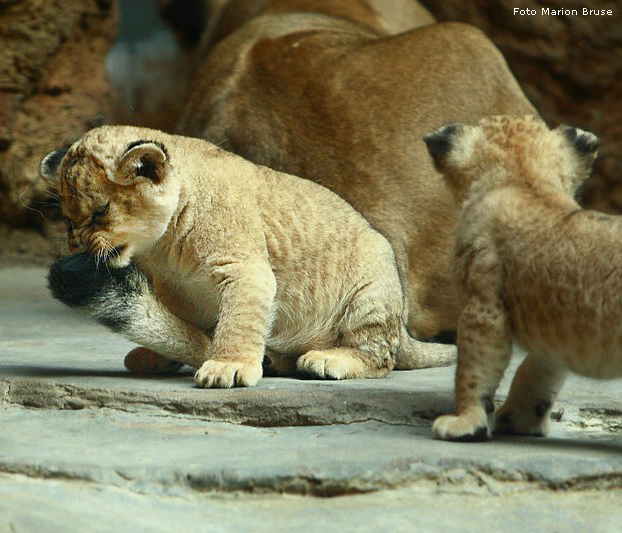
{"x":533,"y":267}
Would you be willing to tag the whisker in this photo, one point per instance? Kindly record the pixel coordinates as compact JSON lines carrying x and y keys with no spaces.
{"x":21,"y":201}
{"x":52,"y":194}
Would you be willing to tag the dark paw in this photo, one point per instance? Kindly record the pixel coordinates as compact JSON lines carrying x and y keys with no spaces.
{"x":479,"y":435}
{"x":104,"y":292}
{"x":542,"y":408}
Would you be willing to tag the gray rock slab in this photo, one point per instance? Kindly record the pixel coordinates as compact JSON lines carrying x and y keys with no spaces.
{"x":28,"y":504}
{"x":54,"y":357}
{"x":164,"y":454}
{"x":79,"y":435}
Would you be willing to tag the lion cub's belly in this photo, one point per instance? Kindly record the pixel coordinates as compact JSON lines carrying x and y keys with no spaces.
{"x":300,"y":324}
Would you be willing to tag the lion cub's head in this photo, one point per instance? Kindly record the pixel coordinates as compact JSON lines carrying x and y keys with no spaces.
{"x":506,"y":150}
{"x":115,"y":191}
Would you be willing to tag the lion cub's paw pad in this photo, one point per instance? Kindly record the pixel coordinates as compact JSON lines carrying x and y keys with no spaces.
{"x":464,"y":428}
{"x":330,"y":366}
{"x":143,"y":361}
{"x":224,"y":375}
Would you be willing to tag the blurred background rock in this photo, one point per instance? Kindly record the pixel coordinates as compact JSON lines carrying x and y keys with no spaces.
{"x":68,"y":65}
{"x":53,"y":87}
{"x":570,"y":67}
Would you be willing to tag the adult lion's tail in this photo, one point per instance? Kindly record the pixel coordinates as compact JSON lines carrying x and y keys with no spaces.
{"x":417,"y":354}
{"x":123,"y":300}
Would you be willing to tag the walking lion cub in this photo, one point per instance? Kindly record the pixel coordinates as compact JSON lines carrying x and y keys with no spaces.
{"x":532,"y":266}
{"x":241,"y":260}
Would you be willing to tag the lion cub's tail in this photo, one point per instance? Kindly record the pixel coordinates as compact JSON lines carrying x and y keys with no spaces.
{"x":418,"y":354}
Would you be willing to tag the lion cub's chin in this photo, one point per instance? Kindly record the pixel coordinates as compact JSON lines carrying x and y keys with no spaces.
{"x":122,"y":258}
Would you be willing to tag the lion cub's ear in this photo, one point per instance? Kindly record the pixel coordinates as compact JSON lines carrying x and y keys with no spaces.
{"x":142,"y":161}
{"x":584,"y":142}
{"x":50,"y":164}
{"x":584,"y":146}
{"x":441,"y":142}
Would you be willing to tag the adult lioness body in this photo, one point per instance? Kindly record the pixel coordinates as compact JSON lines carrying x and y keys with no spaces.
{"x":338,"y":100}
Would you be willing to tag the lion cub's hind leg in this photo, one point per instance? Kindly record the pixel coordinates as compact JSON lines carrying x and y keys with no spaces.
{"x":368,"y":339}
{"x":143,"y":361}
{"x":344,"y":363}
{"x":484,"y":351}
{"x":366,"y":350}
{"x":527,"y":410}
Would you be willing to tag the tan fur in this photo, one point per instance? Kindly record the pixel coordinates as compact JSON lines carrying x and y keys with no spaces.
{"x":533,"y":267}
{"x":331,"y":94}
{"x":390,"y":18}
{"x":254,"y":257}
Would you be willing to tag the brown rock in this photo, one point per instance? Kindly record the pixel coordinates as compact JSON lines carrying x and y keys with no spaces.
{"x":52,"y":88}
{"x":570,"y":66}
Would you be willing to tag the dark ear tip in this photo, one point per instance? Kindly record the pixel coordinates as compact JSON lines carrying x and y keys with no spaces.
{"x":585,"y":142}
{"x":50,"y":163}
{"x":439,"y":141}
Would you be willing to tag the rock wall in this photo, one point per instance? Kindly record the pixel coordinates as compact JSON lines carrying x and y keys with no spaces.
{"x":52,"y":88}
{"x":570,"y":66}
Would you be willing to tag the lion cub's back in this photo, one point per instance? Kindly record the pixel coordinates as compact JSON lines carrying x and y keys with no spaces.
{"x":562,"y":287}
{"x":321,"y":250}
{"x":307,"y":222}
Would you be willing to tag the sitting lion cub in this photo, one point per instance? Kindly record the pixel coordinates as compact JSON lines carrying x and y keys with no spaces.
{"x":533,"y":266}
{"x":241,"y":258}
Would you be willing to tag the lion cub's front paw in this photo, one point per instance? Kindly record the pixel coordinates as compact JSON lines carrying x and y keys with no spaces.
{"x":224,"y":374}
{"x":471,"y":426}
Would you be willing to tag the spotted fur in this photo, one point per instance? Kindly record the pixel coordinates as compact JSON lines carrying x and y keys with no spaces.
{"x":533,"y":267}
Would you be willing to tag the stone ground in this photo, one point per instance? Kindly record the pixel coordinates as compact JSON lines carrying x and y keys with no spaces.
{"x":84,"y":445}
